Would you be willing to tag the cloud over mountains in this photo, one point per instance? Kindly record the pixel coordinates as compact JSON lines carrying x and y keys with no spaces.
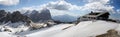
{"x":92,"y":5}
{"x":62,"y":5}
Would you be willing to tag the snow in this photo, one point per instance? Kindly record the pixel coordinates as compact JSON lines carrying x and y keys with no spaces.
{"x":7,"y":34}
{"x":51,"y":31}
{"x":82,"y":29}
{"x":4,"y":34}
{"x":13,"y":28}
{"x":87,"y":29}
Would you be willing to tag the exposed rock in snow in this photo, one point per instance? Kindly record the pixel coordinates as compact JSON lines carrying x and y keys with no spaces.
{"x":14,"y":27}
{"x":110,"y":33}
{"x":38,"y":25}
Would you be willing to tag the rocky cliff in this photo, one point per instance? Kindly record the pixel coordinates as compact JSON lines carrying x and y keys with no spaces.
{"x":39,"y":16}
{"x":13,"y":17}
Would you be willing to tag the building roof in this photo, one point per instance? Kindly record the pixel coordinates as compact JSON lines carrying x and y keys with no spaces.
{"x":95,"y":14}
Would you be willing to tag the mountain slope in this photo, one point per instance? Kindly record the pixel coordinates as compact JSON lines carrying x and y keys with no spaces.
{"x":39,"y":16}
{"x":83,"y":29}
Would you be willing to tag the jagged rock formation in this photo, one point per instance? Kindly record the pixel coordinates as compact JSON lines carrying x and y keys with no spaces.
{"x":13,"y":17}
{"x":43,"y":17}
{"x":17,"y":16}
{"x":37,"y":16}
{"x":110,"y":33}
{"x":2,"y":13}
{"x":34,"y":16}
{"x":45,"y":14}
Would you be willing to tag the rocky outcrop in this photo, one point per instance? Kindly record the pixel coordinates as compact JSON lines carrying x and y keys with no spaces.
{"x":17,"y":16}
{"x":45,"y":14}
{"x":42,"y":16}
{"x":2,"y":13}
{"x":110,"y":33}
{"x":34,"y":16}
{"x":13,"y":17}
{"x":39,"y":16}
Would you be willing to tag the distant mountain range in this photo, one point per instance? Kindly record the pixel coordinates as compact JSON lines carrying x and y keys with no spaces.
{"x":65,"y":18}
{"x":13,"y":17}
{"x":43,"y":15}
{"x":37,"y":16}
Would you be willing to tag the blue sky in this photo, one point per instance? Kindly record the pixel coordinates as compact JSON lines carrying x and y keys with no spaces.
{"x":28,"y":3}
{"x":73,"y":7}
{"x":116,"y":4}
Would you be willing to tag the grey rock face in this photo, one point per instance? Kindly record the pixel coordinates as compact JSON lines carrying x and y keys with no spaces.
{"x":41,"y":16}
{"x":2,"y":15}
{"x":45,"y":14}
{"x":13,"y":17}
{"x":17,"y":16}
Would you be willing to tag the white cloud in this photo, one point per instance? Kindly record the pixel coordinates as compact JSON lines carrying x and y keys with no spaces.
{"x":56,"y":8}
{"x":91,"y":5}
{"x":118,"y":10}
{"x":101,"y":1}
{"x":62,"y":6}
{"x":9,"y":2}
{"x":94,"y":5}
{"x":98,"y":5}
{"x":55,"y":12}
{"x":58,"y":5}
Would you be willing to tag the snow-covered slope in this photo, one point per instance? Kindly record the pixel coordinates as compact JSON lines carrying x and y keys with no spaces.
{"x":83,"y":29}
{"x":14,"y":27}
{"x":51,"y":31}
{"x":88,"y":29}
